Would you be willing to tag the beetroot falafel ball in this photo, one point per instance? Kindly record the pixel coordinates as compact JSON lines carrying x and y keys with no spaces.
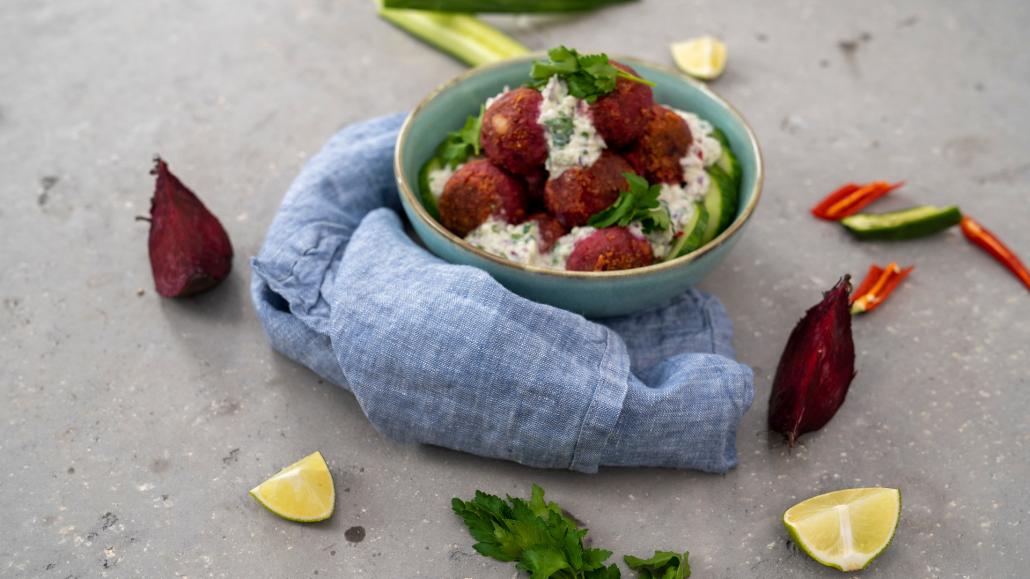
{"x":510,"y":134}
{"x":665,"y":140}
{"x":621,"y":115}
{"x":476,"y":191}
{"x":550,"y":230}
{"x":580,"y":192}
{"x":535,"y":183}
{"x":610,"y":249}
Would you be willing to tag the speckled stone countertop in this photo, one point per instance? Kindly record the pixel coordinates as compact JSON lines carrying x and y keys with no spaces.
{"x":133,"y":426}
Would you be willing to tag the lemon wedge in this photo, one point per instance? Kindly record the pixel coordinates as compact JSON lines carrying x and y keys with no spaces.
{"x":845,"y":529}
{"x":302,"y":492}
{"x":703,"y":57}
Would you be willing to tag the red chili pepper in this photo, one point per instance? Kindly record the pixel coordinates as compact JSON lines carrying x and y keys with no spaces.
{"x":845,"y":190}
{"x":877,"y":285}
{"x":987,"y":241}
{"x":851,"y":199}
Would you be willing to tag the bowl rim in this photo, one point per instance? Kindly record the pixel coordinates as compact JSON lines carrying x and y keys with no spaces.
{"x":415,"y":203}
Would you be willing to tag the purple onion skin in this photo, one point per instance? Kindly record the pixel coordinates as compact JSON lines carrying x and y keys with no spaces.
{"x":816,"y":368}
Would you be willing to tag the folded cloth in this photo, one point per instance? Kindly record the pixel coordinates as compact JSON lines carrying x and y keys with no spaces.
{"x":442,"y":354}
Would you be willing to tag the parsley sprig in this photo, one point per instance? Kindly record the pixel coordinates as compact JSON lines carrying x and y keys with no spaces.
{"x":638,"y":203}
{"x":664,"y":565}
{"x":463,"y":143}
{"x":535,"y":534}
{"x":588,"y":76}
{"x":548,"y":544}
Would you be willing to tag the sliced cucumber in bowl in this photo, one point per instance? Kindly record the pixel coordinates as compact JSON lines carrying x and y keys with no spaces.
{"x":692,"y":236}
{"x":721,"y":202}
{"x":728,"y":161}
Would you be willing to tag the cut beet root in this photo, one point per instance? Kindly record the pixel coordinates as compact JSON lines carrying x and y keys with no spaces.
{"x":816,"y":367}
{"x":190,"y":251}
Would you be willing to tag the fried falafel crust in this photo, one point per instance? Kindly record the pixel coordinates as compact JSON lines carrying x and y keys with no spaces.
{"x":666,"y":139}
{"x":510,"y":134}
{"x":621,"y":115}
{"x":475,"y":192}
{"x":610,"y":249}
{"x":580,"y":192}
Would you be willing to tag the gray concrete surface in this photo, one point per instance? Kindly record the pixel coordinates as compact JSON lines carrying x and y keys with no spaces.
{"x":133,"y":426}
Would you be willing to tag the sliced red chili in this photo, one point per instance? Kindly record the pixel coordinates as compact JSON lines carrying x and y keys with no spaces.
{"x":868,"y":282}
{"x":877,"y":285}
{"x":851,"y":199}
{"x":845,"y":190}
{"x":984,"y":239}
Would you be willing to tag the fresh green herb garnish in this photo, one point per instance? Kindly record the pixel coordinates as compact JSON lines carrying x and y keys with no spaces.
{"x":535,"y":534}
{"x":547,"y":543}
{"x":639,"y":203}
{"x":664,"y":565}
{"x":560,"y":129}
{"x":463,"y":143}
{"x":588,"y":76}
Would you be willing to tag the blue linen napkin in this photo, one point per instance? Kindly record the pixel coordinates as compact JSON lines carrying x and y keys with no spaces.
{"x":442,"y":354}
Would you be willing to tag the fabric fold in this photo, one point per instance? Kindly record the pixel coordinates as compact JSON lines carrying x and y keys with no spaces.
{"x":442,"y":354}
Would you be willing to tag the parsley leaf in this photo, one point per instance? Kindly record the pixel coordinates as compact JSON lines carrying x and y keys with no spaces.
{"x":588,"y":76}
{"x":664,"y":565}
{"x":463,"y":143}
{"x":560,"y":129}
{"x":638,"y":203}
{"x":537,"y":535}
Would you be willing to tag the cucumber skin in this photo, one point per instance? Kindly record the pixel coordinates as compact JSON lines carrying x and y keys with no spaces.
{"x":717,"y":201}
{"x":694,"y":240}
{"x":728,"y":161}
{"x":730,"y":196}
{"x":428,"y":201}
{"x":947,"y":218}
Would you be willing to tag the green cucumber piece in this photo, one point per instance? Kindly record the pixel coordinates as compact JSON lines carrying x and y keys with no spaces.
{"x":905,"y":224}
{"x":693,"y":233}
{"x":428,"y":201}
{"x":728,"y":161}
{"x":721,"y":202}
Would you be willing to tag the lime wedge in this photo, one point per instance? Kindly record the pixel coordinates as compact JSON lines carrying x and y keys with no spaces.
{"x":845,"y":529}
{"x":703,"y":57}
{"x":302,"y":492}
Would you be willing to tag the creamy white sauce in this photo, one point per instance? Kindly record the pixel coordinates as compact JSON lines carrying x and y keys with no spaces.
{"x":661,"y":241}
{"x":704,"y":148}
{"x":519,"y":243}
{"x":572,"y":139}
{"x":438,"y":179}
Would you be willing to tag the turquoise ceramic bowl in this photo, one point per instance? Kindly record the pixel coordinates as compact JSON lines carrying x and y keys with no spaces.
{"x":593,"y":294}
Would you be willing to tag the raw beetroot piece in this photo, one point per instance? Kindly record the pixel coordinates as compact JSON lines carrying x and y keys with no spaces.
{"x":190,"y":251}
{"x":816,"y":367}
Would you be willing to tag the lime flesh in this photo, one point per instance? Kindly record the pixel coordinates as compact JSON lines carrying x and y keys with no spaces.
{"x":845,"y":529}
{"x":302,"y":492}
{"x":703,"y":57}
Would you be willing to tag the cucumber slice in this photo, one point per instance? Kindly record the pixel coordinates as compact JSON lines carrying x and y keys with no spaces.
{"x":721,"y":203}
{"x":728,"y":161}
{"x":693,"y":233}
{"x":905,"y":224}
{"x":428,"y":201}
